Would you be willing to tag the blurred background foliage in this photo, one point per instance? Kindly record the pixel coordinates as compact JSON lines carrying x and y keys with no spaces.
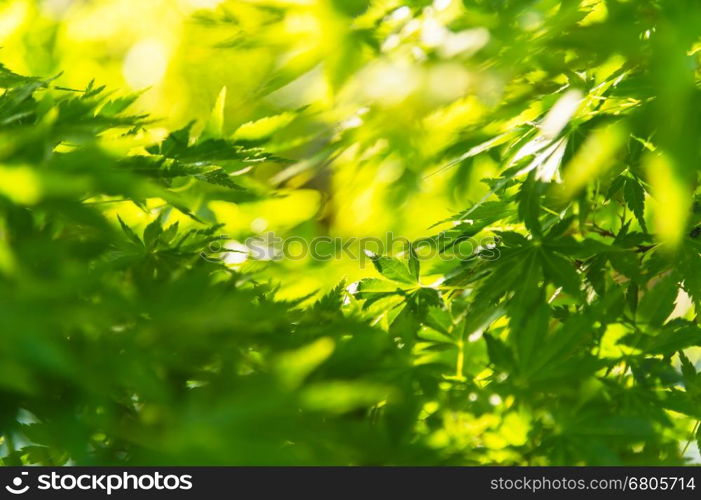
{"x":427,"y":81}
{"x":349,"y":118}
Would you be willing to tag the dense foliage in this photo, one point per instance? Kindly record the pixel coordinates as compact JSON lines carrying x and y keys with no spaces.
{"x":567,"y":333}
